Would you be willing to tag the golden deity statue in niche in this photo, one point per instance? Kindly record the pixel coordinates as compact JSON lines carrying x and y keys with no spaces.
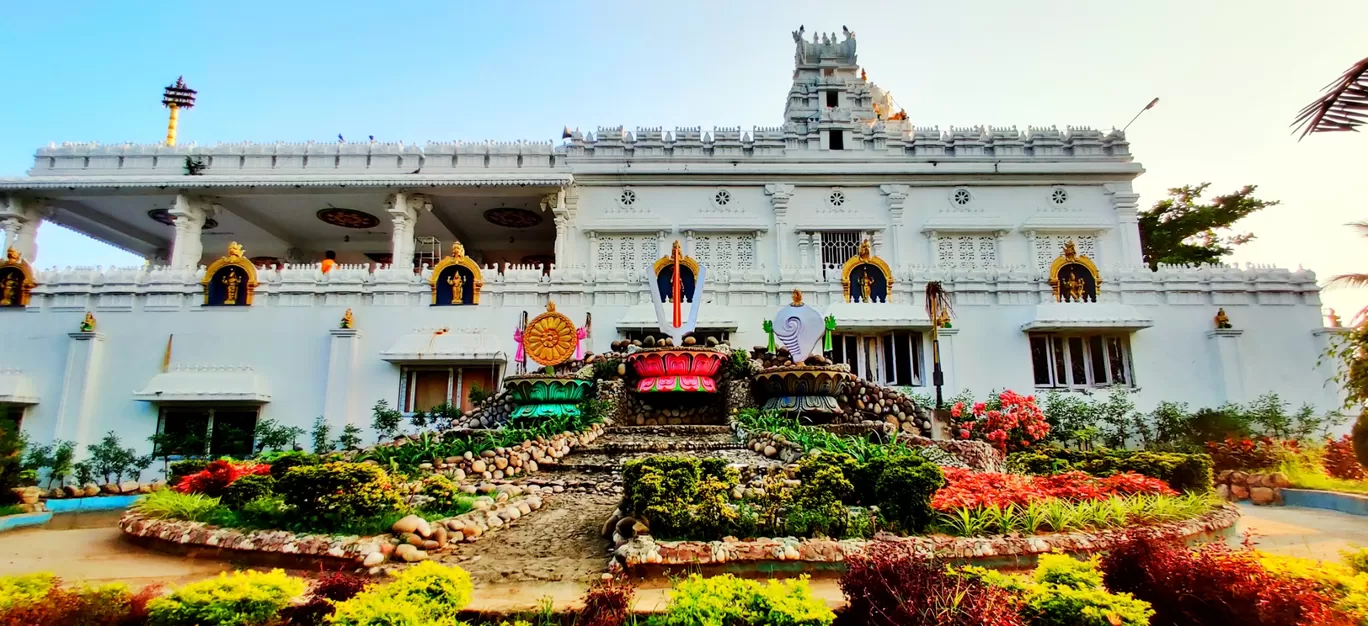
{"x":346,"y":320}
{"x":231,"y":280}
{"x":9,"y":289}
{"x":88,"y":324}
{"x":866,"y":285}
{"x":1075,"y":286}
{"x":1222,"y":320}
{"x":457,"y":287}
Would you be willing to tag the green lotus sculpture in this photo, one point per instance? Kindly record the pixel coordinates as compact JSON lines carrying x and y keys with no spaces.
{"x":542,"y":396}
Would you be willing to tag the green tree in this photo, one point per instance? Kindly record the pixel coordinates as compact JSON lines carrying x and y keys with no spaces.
{"x":385,"y":421}
{"x":1184,"y":228}
{"x":321,"y":433}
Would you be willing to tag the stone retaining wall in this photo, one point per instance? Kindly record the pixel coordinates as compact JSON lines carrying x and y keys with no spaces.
{"x":526,"y":458}
{"x":643,"y":555}
{"x":1257,"y":488}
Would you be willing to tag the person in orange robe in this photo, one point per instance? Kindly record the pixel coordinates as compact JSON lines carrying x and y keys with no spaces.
{"x":329,"y":261}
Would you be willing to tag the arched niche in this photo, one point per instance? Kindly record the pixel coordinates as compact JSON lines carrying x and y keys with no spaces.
{"x":16,"y":281}
{"x":1073,"y":277}
{"x":664,"y":274}
{"x":456,"y":279}
{"x":864,"y":274}
{"x":231,"y":280}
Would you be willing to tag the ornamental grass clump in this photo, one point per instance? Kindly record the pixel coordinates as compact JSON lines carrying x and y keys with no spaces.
{"x":426,"y":593}
{"x":167,"y":504}
{"x":242,"y":598}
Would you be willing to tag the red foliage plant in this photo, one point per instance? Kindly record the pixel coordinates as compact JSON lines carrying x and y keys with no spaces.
{"x":890,"y":585}
{"x":1248,"y":454}
{"x":1213,"y":585}
{"x":214,"y":479}
{"x":969,"y":489}
{"x":1339,"y":460}
{"x":334,"y":587}
{"x":606,"y":605}
{"x":1012,"y":423}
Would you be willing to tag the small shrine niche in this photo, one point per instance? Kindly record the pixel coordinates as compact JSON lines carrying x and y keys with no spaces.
{"x":456,"y":279}
{"x":16,"y":281}
{"x":664,"y":274}
{"x":865,"y":277}
{"x":231,"y":280}
{"x":1073,"y":277}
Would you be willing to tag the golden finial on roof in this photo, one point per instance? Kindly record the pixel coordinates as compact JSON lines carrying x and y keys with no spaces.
{"x":675,"y":247}
{"x":797,"y":297}
{"x":12,"y":255}
{"x":1069,"y":251}
{"x":550,"y":306}
{"x":235,"y":250}
{"x":457,"y":250}
{"x":863,"y":76}
{"x":865,"y":251}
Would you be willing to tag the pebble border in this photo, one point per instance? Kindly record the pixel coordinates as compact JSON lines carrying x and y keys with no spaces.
{"x":643,"y":551}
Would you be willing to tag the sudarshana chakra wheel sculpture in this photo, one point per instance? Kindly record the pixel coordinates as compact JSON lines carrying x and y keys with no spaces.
{"x":550,"y":339}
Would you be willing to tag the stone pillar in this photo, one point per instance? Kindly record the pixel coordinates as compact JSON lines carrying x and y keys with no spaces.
{"x":552,"y":202}
{"x":190,"y":212}
{"x":77,"y":409}
{"x":1226,"y":363}
{"x":403,"y":209}
{"x":341,"y":406}
{"x":593,"y":255}
{"x":1126,"y":204}
{"x":780,"y":194}
{"x":947,"y":357}
{"x":21,"y":219}
{"x":897,"y":201}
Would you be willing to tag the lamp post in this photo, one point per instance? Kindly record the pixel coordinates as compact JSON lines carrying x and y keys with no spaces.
{"x":176,"y":97}
{"x":1137,"y":115}
{"x":939,"y":310}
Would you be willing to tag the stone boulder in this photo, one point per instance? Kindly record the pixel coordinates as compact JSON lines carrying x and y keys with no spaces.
{"x":1239,"y":491}
{"x":1262,"y":495}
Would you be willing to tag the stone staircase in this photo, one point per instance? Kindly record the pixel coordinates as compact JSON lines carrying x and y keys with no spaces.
{"x":620,"y":444}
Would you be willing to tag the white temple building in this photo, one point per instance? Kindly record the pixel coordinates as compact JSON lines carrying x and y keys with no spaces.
{"x":1034,"y":233}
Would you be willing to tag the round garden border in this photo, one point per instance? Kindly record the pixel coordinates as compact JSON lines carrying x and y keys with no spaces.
{"x":644,"y":556}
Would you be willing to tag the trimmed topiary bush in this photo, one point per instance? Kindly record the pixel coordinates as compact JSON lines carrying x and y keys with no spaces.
{"x":1183,"y":472}
{"x":666,"y":492}
{"x":426,"y":593}
{"x":726,"y":599}
{"x":246,"y":489}
{"x":338,"y":493}
{"x":287,"y":460}
{"x":904,"y":489}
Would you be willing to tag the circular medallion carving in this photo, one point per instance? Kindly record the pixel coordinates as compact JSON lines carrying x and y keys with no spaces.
{"x":510,"y":217}
{"x":348,"y":218}
{"x":550,"y":338}
{"x":164,"y":216}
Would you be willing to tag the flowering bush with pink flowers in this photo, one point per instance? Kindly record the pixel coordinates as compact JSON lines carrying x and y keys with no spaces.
{"x":1008,"y":421}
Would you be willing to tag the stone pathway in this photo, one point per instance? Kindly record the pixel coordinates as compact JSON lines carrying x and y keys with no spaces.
{"x":1308,"y":533}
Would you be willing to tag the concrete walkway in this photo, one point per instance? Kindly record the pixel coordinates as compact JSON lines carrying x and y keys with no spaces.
{"x":91,"y":549}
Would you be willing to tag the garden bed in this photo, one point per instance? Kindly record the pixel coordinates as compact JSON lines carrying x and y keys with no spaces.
{"x":643,"y":556}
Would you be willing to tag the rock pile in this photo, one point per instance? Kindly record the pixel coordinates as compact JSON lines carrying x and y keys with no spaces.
{"x":525,"y":458}
{"x":651,"y":341}
{"x":416,"y":539}
{"x":644,"y":413}
{"x":1257,"y":488}
{"x":869,"y":401}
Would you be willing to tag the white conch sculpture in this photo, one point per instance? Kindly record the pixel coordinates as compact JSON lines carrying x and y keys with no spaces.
{"x":800,"y":328}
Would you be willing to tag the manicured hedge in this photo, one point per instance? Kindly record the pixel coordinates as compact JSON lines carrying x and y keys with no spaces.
{"x":1183,"y":472}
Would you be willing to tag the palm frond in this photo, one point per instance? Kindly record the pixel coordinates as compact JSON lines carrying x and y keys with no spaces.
{"x":1349,"y":280}
{"x":939,"y":304}
{"x":1343,"y":107}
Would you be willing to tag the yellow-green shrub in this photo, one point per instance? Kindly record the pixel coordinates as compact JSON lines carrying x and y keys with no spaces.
{"x":1340,"y":580}
{"x":726,"y":600}
{"x":243,"y":598}
{"x":1064,"y":591}
{"x":426,"y":593}
{"x":24,"y":588}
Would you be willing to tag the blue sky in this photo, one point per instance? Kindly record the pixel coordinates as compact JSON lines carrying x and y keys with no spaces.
{"x":1230,"y":82}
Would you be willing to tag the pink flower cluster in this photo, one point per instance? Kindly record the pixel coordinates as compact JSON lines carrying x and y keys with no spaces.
{"x":1014,"y":424}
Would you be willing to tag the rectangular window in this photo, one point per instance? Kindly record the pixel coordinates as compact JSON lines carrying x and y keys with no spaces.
{"x":426,"y":387}
{"x":213,"y":431}
{"x":893,"y":358}
{"x":833,"y":99}
{"x":838,"y":246}
{"x":836,"y":139}
{"x":1079,"y":361}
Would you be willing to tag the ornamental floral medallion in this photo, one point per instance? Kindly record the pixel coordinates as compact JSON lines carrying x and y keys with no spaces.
{"x":551,"y":337}
{"x":348,"y":218}
{"x":510,"y":217}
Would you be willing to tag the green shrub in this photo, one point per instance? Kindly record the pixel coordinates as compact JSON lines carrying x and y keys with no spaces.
{"x":426,"y":593}
{"x":24,"y":588}
{"x":666,"y":492}
{"x":246,"y":489}
{"x":904,"y":489}
{"x":1060,"y":569}
{"x":169,"y":504}
{"x":726,"y":600}
{"x":1061,"y":605}
{"x":181,"y":469}
{"x":1356,"y":559}
{"x":446,"y":496}
{"x":333,"y":494}
{"x":287,"y":460}
{"x":242,"y":598}
{"x":1183,"y":472}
